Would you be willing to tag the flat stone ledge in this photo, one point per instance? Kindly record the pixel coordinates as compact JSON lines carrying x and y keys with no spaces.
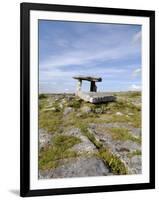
{"x":88,"y":78}
{"x":96,"y":97}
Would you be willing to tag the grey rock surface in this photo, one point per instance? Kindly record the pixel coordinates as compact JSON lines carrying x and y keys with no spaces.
{"x":118,"y":147}
{"x":85,"y":146}
{"x":44,"y":138}
{"x":79,"y":167}
{"x":68,"y":110}
{"x":136,"y":164}
{"x":134,"y":131}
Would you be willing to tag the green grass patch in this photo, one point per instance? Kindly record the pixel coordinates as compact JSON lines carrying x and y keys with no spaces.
{"x":60,"y":149}
{"x":86,"y":116}
{"x":134,"y":120}
{"x":134,"y":94}
{"x":116,"y":165}
{"x":130,"y":94}
{"x":57,"y":107}
{"x":50,"y":120}
{"x":42,"y":96}
{"x":123,"y":134}
{"x":123,"y":106}
{"x":100,"y":108}
{"x":134,"y":153}
{"x":43,"y":102}
{"x":65,"y":142}
{"x":89,"y":135}
{"x":75,"y":103}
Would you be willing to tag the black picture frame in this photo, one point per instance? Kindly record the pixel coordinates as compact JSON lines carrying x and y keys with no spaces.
{"x":25,"y":9}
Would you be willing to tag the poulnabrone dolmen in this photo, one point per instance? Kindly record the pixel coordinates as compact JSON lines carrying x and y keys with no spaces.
{"x":92,"y":96}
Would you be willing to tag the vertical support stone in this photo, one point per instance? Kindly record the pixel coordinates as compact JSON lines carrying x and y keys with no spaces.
{"x":79,"y":85}
{"x":93,"y":87}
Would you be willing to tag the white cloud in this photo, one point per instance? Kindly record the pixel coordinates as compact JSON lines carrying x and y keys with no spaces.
{"x":87,"y":56}
{"x":135,"y":87}
{"x":89,"y":48}
{"x":136,"y":72}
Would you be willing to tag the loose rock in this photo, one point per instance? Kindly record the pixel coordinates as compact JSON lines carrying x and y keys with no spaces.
{"x":119,"y":113}
{"x":68,"y":110}
{"x":44,"y":138}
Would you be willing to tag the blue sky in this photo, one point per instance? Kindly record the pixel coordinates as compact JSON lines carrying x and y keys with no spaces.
{"x":110,"y":51}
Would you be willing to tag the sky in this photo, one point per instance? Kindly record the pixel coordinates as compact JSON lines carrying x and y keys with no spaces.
{"x":109,"y":51}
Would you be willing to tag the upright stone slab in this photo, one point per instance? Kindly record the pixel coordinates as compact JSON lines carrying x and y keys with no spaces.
{"x":93,"y":87}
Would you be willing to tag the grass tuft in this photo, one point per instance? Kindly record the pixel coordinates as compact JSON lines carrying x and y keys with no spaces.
{"x":50,"y":121}
{"x":75,"y":103}
{"x":42,"y":96}
{"x":90,"y":136}
{"x":134,"y":153}
{"x":123,"y":134}
{"x":60,"y":149}
{"x":116,"y":165}
{"x":65,"y":142}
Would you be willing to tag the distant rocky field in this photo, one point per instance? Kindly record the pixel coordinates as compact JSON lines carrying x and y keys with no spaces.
{"x":78,"y":139}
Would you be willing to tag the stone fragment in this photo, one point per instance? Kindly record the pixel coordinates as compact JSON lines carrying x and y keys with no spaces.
{"x":44,"y":138}
{"x":119,"y":113}
{"x":50,"y":109}
{"x":68,"y":110}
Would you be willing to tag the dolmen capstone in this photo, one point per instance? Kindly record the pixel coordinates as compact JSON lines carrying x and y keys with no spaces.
{"x":92,"y":96}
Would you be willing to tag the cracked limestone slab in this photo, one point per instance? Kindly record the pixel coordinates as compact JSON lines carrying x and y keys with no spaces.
{"x":85,"y":146}
{"x":78,"y":167}
{"x":119,"y":148}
